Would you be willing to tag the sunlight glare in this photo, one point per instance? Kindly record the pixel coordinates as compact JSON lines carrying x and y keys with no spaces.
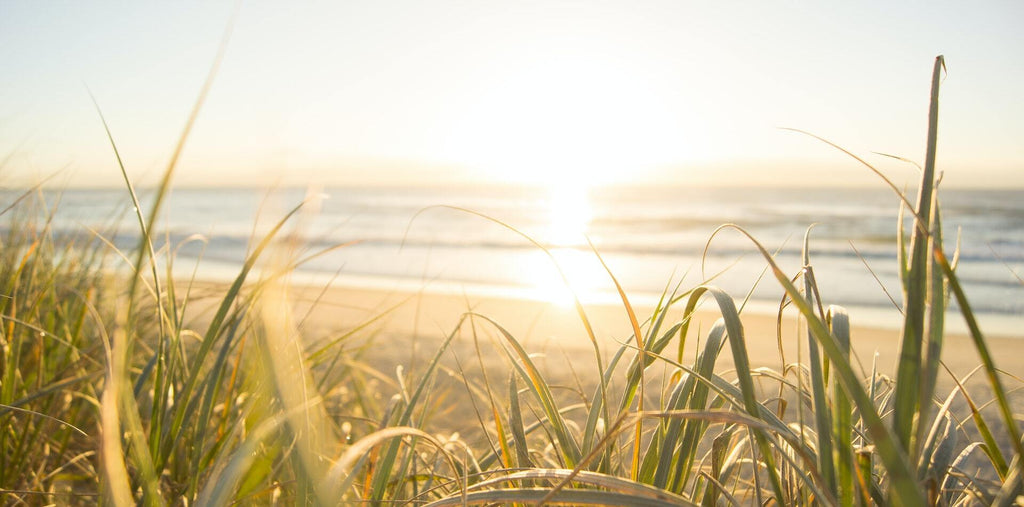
{"x":581,"y":268}
{"x":569,"y":215}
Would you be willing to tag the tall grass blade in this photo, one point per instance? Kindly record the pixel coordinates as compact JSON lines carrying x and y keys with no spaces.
{"x":673,"y":449}
{"x":114,"y":475}
{"x":938,"y":298}
{"x":907,"y":402}
{"x":822,"y":414}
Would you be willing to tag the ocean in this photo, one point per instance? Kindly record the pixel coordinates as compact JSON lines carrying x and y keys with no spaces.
{"x":481,"y":239}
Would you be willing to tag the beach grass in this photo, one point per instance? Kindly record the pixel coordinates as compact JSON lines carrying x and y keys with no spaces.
{"x":124,"y":384}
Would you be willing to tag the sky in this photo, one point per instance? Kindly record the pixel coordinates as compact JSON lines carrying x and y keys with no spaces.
{"x":553,"y":92}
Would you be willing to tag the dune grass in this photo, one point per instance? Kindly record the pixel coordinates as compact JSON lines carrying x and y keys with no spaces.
{"x":111,"y":392}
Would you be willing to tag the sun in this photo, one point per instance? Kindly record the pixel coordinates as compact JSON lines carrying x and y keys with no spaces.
{"x":563,"y":121}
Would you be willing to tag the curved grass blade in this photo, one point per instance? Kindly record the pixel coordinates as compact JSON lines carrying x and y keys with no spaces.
{"x":986,"y":358}
{"x":609,"y":482}
{"x":737,"y":342}
{"x":564,"y":497}
{"x":344,"y":470}
{"x":11,"y":408}
{"x":673,"y":449}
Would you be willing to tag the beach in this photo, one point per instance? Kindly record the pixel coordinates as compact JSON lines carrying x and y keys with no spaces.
{"x":455,"y":326}
{"x":511,"y":253}
{"x":408,"y":327}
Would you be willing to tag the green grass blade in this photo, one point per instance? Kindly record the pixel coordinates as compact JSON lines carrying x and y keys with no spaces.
{"x":839,"y":323}
{"x":907,"y":402}
{"x":735,"y":336}
{"x":224,"y":482}
{"x":822,"y":414}
{"x":515,"y":417}
{"x":932,"y":353}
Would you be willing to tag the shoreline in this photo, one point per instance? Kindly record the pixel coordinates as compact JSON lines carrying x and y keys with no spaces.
{"x":993,"y":325}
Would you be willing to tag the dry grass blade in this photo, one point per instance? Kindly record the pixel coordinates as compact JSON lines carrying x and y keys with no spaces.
{"x":986,"y":358}
{"x":343,"y":472}
{"x":44,"y":416}
{"x":566,"y":497}
{"x":641,"y":350}
{"x":114,"y":469}
{"x":608,"y":482}
{"x":875,"y":276}
{"x":873,"y":169}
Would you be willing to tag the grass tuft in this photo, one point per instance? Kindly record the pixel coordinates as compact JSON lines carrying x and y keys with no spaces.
{"x":130,"y":386}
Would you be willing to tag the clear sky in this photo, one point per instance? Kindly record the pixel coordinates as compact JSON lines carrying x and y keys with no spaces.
{"x":404,"y":92}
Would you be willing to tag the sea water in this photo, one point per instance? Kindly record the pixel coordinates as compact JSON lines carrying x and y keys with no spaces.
{"x":528,"y":242}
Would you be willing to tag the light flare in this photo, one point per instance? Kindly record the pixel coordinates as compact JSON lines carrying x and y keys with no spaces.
{"x":569,"y":217}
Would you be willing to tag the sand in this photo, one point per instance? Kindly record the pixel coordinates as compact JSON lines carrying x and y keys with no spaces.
{"x":408,"y":327}
{"x":394,"y":334}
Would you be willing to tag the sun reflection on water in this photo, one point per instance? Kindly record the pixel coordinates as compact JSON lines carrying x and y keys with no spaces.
{"x":569,"y":216}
